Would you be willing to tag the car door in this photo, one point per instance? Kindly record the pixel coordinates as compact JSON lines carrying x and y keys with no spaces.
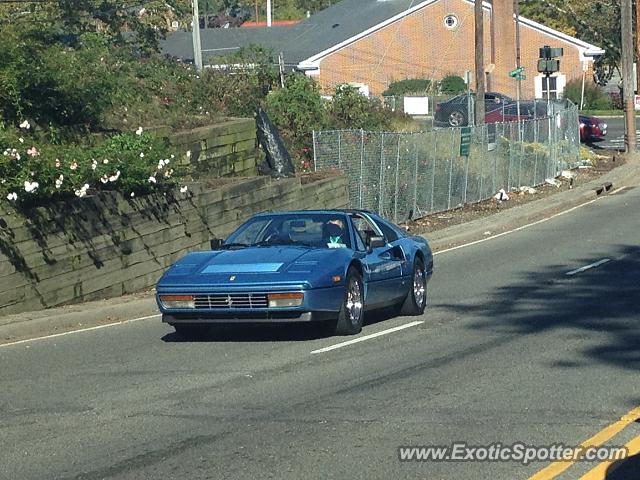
{"x":383,"y":265}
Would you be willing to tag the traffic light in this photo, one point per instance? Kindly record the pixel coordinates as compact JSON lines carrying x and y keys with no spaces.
{"x":548,"y":62}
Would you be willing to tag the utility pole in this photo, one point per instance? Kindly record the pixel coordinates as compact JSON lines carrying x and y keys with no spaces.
{"x":626,"y":13}
{"x":638,"y":46}
{"x":516,"y":9}
{"x":479,"y":62}
{"x":195,"y":36}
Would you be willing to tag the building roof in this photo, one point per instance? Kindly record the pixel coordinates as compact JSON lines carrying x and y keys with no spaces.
{"x":306,"y":43}
{"x":315,"y":34}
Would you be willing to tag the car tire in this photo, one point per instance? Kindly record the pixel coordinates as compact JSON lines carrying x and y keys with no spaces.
{"x":351,"y":313}
{"x":190,"y":330}
{"x":457,"y":118}
{"x":416,"y":300}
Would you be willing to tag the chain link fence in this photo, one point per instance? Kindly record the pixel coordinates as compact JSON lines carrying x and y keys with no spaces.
{"x":409,"y":175}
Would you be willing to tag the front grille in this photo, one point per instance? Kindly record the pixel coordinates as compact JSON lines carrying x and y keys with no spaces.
{"x":232,"y":300}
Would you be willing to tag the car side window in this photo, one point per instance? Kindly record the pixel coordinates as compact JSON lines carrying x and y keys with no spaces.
{"x":389,"y":234}
{"x":364,"y":228}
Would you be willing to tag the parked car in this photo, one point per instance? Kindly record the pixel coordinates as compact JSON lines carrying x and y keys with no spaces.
{"x":454,"y":112}
{"x":592,"y":129}
{"x":299,"y":266}
{"x":508,"y":112}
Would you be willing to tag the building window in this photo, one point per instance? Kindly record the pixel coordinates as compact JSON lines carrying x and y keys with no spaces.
{"x":553,"y":89}
{"x":451,"y":21}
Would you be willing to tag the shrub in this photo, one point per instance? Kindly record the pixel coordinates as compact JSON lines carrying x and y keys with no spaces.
{"x":33,"y":174}
{"x":297,"y":110}
{"x":408,"y":86}
{"x":452,"y":85}
{"x":595,"y":97}
{"x":350,"y":109}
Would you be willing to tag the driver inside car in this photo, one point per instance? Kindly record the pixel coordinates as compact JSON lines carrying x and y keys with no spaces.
{"x":334,"y":233}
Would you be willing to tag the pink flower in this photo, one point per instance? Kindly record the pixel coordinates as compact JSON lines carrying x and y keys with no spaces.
{"x":33,"y":151}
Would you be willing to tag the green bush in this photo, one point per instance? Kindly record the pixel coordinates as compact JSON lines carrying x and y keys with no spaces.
{"x":350,"y":109}
{"x":297,"y":110}
{"x":408,"y":86}
{"x":34,"y":174}
{"x":452,"y":85}
{"x":595,"y":98}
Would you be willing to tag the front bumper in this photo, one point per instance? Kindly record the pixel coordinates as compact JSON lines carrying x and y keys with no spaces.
{"x":251,"y":317}
{"x":318,"y":304}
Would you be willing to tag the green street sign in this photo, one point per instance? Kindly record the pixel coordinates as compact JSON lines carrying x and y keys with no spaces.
{"x":521,"y":77}
{"x":516,"y":72}
{"x":465,"y":141}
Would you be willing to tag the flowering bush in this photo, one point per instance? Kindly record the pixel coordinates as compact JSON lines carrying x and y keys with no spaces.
{"x":132,"y":163}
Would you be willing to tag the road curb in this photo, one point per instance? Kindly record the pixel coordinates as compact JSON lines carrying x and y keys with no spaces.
{"x":54,"y":321}
{"x":537,"y":210}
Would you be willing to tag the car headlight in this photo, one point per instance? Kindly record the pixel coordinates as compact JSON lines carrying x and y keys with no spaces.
{"x":293,"y":299}
{"x":177,"y":301}
{"x":603,"y":126}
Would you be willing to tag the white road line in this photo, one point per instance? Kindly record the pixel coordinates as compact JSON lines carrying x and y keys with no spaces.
{"x":78,"y":331}
{"x":367,"y":337}
{"x":587,"y":267}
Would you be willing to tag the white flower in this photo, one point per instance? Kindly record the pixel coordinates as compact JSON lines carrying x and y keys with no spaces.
{"x":133,"y":194}
{"x":59,"y":181}
{"x":188,"y":153}
{"x":183,"y":189}
{"x":104,"y":178}
{"x":115,"y":177}
{"x":25,"y":125}
{"x":57,"y":163}
{"x":82,"y":191}
{"x":167,"y":174}
{"x":73,"y":165}
{"x":94,"y":164}
{"x":105,"y":161}
{"x":12,"y":196}
{"x":173,"y":156}
{"x":152,"y":179}
{"x":21,"y":140}
{"x":30,"y":186}
{"x":139,"y":131}
{"x":141,"y":154}
{"x":160,"y":164}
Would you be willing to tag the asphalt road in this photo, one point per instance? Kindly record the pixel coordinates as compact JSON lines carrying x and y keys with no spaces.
{"x":615,"y":133}
{"x":511,"y":349}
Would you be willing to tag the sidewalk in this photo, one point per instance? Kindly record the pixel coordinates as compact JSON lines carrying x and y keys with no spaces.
{"x":142,"y":305}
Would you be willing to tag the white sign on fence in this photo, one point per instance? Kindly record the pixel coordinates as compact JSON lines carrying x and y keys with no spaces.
{"x":416,"y":105}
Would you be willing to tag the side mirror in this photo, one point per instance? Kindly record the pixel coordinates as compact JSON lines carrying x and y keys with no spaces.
{"x":376,"y":242}
{"x":216,"y":243}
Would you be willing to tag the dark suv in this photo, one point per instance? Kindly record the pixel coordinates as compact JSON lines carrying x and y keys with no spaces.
{"x":453,"y":112}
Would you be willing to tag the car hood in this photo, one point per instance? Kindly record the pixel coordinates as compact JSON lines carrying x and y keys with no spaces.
{"x":257,"y":266}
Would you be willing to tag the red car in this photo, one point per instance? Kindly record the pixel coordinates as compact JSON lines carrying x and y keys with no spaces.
{"x":592,"y":129}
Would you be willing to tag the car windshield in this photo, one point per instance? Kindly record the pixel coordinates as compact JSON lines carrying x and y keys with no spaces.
{"x":301,"y":229}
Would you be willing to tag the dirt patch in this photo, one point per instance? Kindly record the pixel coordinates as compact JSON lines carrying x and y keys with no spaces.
{"x":468,"y":213}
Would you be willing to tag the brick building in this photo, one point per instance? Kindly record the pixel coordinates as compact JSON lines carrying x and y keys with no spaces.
{"x":376,"y":42}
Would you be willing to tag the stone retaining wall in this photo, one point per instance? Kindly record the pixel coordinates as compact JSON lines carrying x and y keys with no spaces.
{"x":107,"y":245}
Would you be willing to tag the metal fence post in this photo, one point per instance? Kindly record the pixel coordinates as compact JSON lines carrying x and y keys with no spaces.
{"x":395,"y":201}
{"x":433,"y":168}
{"x":451,"y":175}
{"x":360,"y":191}
{"x":381,"y":180}
{"x":315,"y":163}
{"x":340,"y":149}
{"x":415,"y":181}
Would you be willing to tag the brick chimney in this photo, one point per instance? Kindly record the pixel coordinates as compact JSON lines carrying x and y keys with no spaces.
{"x":504,"y":46}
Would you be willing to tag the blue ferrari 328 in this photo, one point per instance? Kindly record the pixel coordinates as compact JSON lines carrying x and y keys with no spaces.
{"x":299,"y":266}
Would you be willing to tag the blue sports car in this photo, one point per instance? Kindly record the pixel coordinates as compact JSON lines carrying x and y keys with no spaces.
{"x":299,"y":266}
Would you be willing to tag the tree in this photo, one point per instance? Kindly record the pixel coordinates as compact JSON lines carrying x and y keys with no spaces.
{"x":596,"y":22}
{"x":142,"y":22}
